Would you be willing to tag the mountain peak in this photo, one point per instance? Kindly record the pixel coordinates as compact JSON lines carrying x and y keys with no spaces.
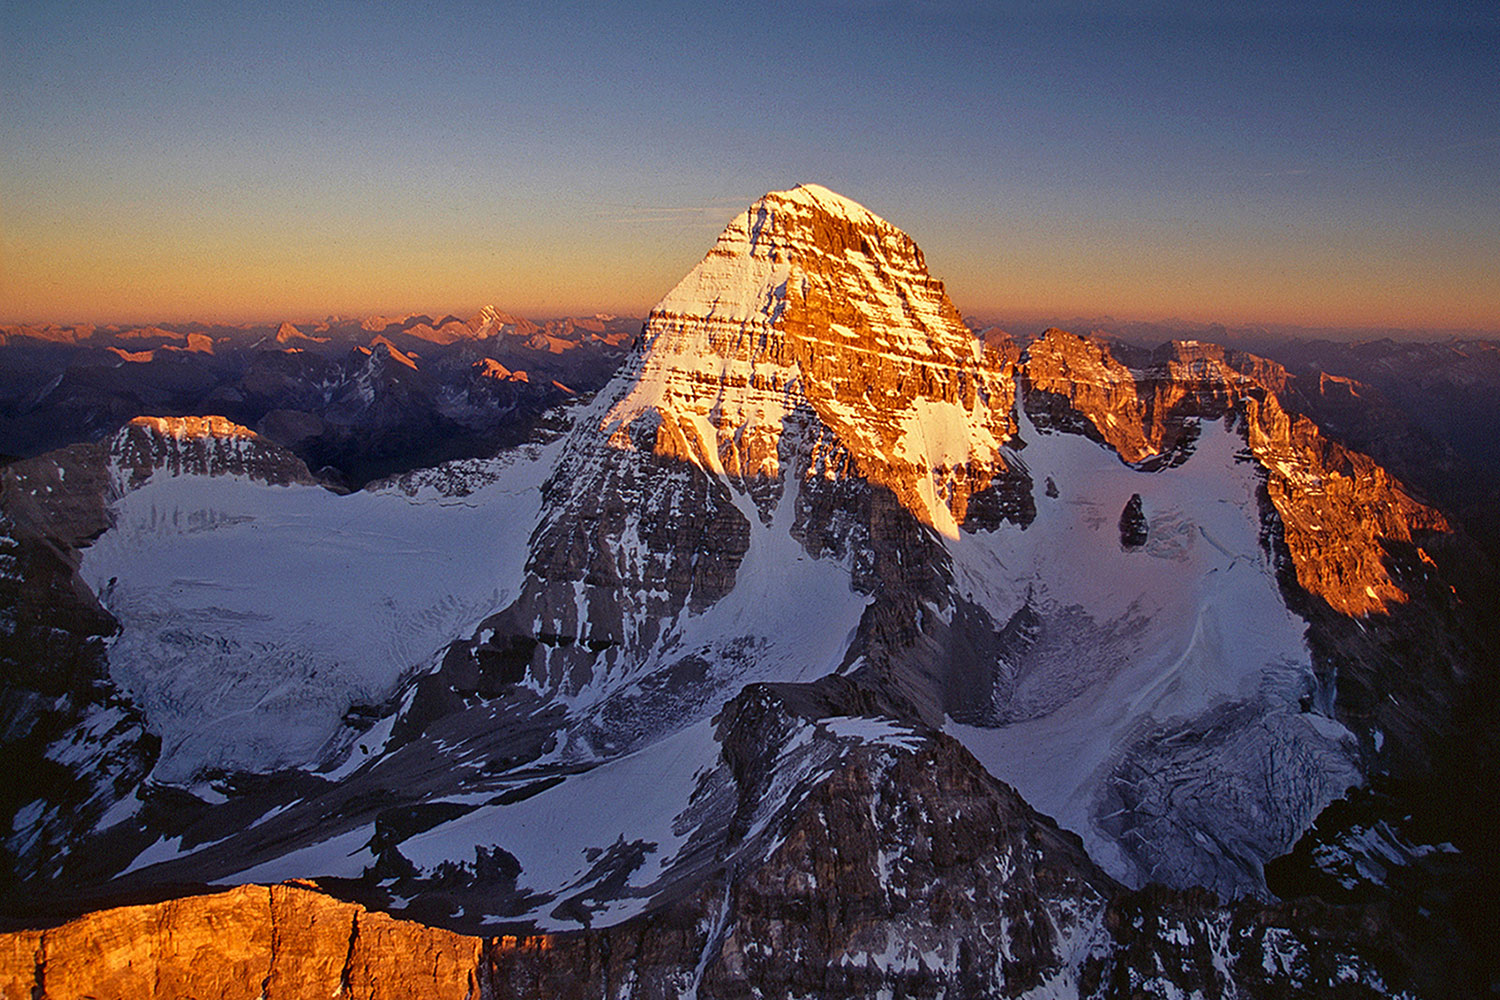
{"x":819,"y":197}
{"x":287,"y":333}
{"x":383,"y":345}
{"x":206,"y":446}
{"x":808,"y":303}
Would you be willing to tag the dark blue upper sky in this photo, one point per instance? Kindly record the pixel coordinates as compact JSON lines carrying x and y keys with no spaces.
{"x":1317,"y":163}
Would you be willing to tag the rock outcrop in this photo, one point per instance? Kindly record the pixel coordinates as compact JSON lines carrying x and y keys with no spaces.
{"x":1338,"y":510}
{"x":54,"y":673}
{"x":1134,"y":528}
{"x":906,"y":870}
{"x":200,"y":446}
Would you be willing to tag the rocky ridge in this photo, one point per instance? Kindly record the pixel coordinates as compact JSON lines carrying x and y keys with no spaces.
{"x":1336,"y":507}
{"x":201,"y":446}
{"x":906,"y":868}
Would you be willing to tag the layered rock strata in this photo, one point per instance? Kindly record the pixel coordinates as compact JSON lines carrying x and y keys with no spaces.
{"x":810,"y":303}
{"x":1338,"y":509}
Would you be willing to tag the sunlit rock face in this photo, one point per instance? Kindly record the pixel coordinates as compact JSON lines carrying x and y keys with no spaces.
{"x":200,"y":446}
{"x":1336,"y":506}
{"x":812,"y":312}
{"x":808,"y":372}
{"x":253,"y":941}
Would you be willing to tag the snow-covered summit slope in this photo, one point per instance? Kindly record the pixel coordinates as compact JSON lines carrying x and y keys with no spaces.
{"x":812,"y":312}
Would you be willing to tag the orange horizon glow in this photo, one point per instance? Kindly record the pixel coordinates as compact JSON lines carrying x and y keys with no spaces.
{"x":1310,"y":165}
{"x":1072,"y":314}
{"x":74,"y":280}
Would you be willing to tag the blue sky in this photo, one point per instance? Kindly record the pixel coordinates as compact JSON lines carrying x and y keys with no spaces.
{"x":1322,"y":164}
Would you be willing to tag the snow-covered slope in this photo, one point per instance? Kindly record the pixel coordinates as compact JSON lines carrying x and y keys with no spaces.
{"x":254,"y":616}
{"x":1168,"y":678}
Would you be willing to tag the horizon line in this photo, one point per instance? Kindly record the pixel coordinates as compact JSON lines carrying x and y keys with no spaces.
{"x":979,"y":320}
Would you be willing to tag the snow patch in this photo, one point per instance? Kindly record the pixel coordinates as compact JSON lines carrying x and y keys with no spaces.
{"x":254,"y":616}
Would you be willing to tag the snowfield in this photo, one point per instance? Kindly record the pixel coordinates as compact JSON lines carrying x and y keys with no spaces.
{"x":1137,"y":646}
{"x":254,"y":616}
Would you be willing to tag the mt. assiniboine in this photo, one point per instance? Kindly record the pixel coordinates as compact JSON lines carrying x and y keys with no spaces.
{"x":824,"y":652}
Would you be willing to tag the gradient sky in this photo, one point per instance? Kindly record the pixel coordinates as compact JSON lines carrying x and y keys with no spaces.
{"x":1321,"y":164}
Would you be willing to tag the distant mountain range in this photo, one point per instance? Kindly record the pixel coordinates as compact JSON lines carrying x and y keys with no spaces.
{"x":355,"y":399}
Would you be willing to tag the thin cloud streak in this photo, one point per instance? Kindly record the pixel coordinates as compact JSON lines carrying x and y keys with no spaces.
{"x":716,"y":211}
{"x":1406,"y":156}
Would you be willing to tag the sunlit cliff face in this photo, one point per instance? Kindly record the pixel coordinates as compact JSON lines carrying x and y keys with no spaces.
{"x":813,"y":330}
{"x":183,"y":428}
{"x":812,"y":313}
{"x":202,"y":445}
{"x":1336,"y":506}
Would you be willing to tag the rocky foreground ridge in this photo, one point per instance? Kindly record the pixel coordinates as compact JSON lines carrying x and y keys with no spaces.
{"x":907,"y":870}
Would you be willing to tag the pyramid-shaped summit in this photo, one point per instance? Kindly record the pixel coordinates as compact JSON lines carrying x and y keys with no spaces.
{"x":811,"y":312}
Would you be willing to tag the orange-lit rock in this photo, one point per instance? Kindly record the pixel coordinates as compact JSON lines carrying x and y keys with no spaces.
{"x":812,"y":312}
{"x":490,"y":368}
{"x":202,"y":445}
{"x":289,"y":334}
{"x":395,"y":353}
{"x":132,"y":357}
{"x":277,"y":943}
{"x":1336,"y":505}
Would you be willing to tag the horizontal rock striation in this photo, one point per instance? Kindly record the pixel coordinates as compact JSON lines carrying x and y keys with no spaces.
{"x":810,"y":310}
